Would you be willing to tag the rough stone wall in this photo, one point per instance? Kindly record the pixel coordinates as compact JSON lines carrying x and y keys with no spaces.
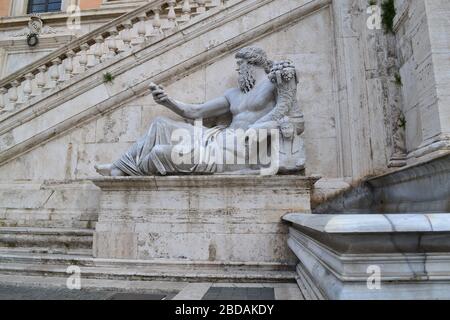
{"x":438,"y":12}
{"x":365,"y":91}
{"x":57,"y":205}
{"x":367,"y":98}
{"x":423,"y":40}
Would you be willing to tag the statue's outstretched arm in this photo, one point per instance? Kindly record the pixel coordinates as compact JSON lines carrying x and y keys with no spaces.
{"x":212,"y":108}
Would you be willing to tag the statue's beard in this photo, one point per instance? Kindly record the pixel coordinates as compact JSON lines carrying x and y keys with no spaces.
{"x":246,"y":77}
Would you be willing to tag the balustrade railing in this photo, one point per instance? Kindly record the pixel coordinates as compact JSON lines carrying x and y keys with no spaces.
{"x":129,"y":32}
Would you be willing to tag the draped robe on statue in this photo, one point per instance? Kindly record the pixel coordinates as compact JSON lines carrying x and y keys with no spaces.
{"x":152,"y":154}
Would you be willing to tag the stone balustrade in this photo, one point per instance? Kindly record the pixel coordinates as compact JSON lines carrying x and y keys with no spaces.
{"x":143,"y":26}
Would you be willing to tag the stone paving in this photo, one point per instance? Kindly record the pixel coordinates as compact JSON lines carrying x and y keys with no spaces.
{"x":9,"y":292}
{"x":47,"y":288}
{"x":230,"y":293}
{"x":37,"y":293}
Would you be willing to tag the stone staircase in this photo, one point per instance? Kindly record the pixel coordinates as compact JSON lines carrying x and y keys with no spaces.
{"x":48,"y":252}
{"x":42,"y":262}
{"x":56,"y":266}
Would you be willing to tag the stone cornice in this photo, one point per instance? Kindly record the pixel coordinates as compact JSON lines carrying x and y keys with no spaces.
{"x":339,"y":257}
{"x":371,"y":223}
{"x":45,"y":42}
{"x":203,"y":181}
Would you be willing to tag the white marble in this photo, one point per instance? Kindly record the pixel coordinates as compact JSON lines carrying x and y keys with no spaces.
{"x":201,"y":218}
{"x":411,"y":252}
{"x":365,"y":223}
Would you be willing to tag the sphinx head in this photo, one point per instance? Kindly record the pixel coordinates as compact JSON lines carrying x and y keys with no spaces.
{"x":287,"y":128}
{"x":248,"y":59}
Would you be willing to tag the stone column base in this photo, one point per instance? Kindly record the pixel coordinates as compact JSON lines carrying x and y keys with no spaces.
{"x":374,"y":256}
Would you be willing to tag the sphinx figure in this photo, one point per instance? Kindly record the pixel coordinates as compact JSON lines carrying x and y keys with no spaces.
{"x":264,"y":106}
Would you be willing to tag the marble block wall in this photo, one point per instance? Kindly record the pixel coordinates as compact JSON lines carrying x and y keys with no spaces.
{"x":423,"y":40}
{"x":48,"y":204}
{"x":198,"y":218}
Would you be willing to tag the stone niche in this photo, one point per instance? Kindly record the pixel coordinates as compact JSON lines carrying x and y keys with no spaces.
{"x":199,"y":218}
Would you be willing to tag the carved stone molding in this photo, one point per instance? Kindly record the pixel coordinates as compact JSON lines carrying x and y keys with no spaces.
{"x":35,"y":26}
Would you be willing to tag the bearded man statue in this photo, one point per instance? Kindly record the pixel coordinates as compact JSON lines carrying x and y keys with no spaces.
{"x":264,"y":102}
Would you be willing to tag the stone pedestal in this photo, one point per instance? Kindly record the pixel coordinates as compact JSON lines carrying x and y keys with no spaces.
{"x":199,"y":218}
{"x":374,"y":256}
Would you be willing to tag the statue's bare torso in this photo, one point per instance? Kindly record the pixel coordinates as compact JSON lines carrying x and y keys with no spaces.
{"x":248,"y":108}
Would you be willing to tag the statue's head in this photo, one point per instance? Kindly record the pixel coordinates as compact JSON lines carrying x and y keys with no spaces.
{"x":248,"y":59}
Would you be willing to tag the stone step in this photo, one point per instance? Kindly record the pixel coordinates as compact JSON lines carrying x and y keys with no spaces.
{"x":150,"y":273}
{"x":48,"y":223}
{"x":23,"y":257}
{"x":47,"y":231}
{"x":51,"y":238}
{"x":45,"y":250}
{"x":156,"y":287}
{"x":27,"y":255}
{"x":21,"y":262}
{"x":177,"y":290}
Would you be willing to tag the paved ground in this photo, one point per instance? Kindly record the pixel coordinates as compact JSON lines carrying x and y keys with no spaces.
{"x":214,"y":293}
{"x":34,"y":293}
{"x":233,"y":293}
{"x":46,"y":288}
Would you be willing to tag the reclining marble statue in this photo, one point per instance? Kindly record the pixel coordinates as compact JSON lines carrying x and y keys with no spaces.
{"x":264,"y":107}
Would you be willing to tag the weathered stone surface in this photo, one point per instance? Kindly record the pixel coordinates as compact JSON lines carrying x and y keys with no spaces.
{"x":49,"y":204}
{"x":201,"y":218}
{"x":422,"y":34}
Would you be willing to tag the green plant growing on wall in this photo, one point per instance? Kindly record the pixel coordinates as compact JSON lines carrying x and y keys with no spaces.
{"x":372,"y":2}
{"x":387,"y":15}
{"x":398,"y":80}
{"x":402,"y":121}
{"x":108,"y":77}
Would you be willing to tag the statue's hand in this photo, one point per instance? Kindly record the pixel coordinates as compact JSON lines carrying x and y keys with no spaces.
{"x":158,"y":93}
